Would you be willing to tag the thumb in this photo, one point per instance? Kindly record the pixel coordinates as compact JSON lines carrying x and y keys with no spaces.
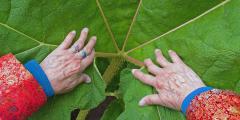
{"x":163,"y":99}
{"x":84,"y":78}
{"x":150,"y":100}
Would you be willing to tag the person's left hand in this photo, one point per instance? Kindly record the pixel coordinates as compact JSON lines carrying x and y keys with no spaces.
{"x":64,"y":67}
{"x":173,"y":81}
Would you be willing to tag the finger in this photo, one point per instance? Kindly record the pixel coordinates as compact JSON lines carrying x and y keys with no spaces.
{"x":145,"y":78}
{"x":68,"y":40}
{"x":80,"y":42}
{"x":87,"y":61}
{"x":84,"y":78}
{"x":71,"y":67}
{"x":152,"y":68}
{"x":175,"y":58}
{"x":81,"y":78}
{"x":161,"y":59}
{"x":150,"y":100}
{"x":162,"y":99}
{"x":90,"y":45}
{"x":87,"y":49}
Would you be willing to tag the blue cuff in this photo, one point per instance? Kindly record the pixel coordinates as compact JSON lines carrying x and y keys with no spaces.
{"x":186,"y":102}
{"x":35,"y":69}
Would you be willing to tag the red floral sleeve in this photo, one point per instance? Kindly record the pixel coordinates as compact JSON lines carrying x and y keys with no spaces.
{"x":215,"y":105}
{"x":20,"y":93}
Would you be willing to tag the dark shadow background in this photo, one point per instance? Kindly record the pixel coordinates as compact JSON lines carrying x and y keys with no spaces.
{"x":94,"y":114}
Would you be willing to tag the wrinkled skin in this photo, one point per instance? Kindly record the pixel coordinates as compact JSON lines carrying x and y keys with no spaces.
{"x":173,"y":81}
{"x":64,"y":67}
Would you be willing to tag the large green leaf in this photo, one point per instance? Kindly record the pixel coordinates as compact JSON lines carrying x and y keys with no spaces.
{"x":29,"y":25}
{"x":209,"y":43}
{"x":113,"y":111}
{"x":85,"y":96}
{"x":31,"y":29}
{"x":204,"y":32}
{"x":132,"y":91}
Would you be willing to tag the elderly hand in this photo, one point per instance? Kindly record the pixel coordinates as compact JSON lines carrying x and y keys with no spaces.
{"x":173,"y":81}
{"x":65,"y":65}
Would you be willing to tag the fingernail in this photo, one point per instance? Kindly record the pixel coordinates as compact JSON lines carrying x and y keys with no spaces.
{"x":85,"y":29}
{"x":88,"y":80}
{"x":146,"y":60}
{"x":73,"y":32}
{"x":141,"y":102}
{"x":157,"y":50}
{"x":133,"y":70}
{"x":94,"y":38}
{"x":170,"y":51}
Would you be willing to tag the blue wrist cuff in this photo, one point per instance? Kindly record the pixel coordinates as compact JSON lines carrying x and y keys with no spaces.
{"x":35,"y":69}
{"x":186,"y":102}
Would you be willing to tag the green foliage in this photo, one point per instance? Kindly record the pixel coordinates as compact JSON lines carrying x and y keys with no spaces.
{"x":132,"y":90}
{"x":84,"y":96}
{"x":205,"y":33}
{"x":114,"y":109}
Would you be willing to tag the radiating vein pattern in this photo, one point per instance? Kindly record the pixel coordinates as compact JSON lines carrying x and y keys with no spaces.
{"x":179,"y":27}
{"x":204,"y":33}
{"x":130,"y":27}
{"x":156,"y":19}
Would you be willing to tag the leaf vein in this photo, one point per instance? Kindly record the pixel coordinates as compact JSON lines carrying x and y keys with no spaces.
{"x":178,"y":27}
{"x":107,"y":25}
{"x":130,"y":28}
{"x":25,"y":35}
{"x":28,"y":50}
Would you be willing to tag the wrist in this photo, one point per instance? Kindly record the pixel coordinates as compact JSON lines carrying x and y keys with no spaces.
{"x":187,"y":100}
{"x":36,"y":70}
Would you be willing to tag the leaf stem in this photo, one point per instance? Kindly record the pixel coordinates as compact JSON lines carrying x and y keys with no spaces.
{"x":102,"y":54}
{"x":82,"y":114}
{"x":134,"y":61}
{"x":113,"y":94}
{"x":112,"y":69}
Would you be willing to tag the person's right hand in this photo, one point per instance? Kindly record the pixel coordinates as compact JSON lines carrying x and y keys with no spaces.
{"x":64,"y":67}
{"x":173,"y":81}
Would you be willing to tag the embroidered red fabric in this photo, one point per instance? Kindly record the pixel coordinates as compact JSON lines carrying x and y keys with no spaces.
{"x":20,"y":93}
{"x":215,"y":105}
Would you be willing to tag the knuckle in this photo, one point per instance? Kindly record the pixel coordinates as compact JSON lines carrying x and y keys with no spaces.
{"x":166,"y":74}
{"x":143,"y":76}
{"x":78,"y":66}
{"x":81,"y":43}
{"x":153,"y":69}
{"x":158,"y":85}
{"x":87,"y":49}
